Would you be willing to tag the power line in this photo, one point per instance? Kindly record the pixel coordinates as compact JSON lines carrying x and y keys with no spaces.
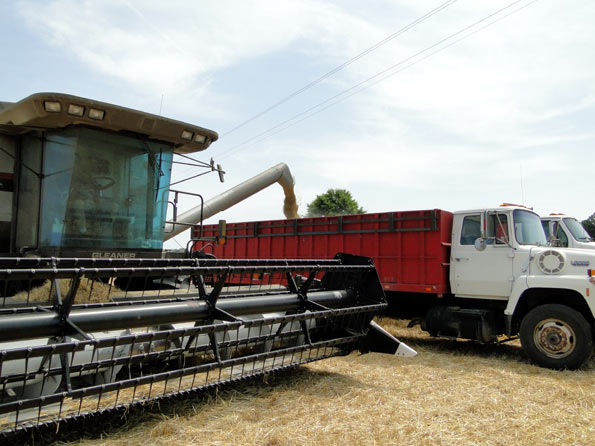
{"x":343,"y":65}
{"x":362,"y":88}
{"x":330,"y":73}
{"x":357,"y":88}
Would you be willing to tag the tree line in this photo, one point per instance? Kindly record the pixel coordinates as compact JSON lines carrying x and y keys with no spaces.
{"x":589,"y":225}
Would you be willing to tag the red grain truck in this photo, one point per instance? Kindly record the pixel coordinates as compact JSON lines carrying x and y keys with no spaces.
{"x":480,"y":274}
{"x":410,"y":249}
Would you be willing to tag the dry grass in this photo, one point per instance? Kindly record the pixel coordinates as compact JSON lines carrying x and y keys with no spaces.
{"x":452,"y":393}
{"x":88,"y":292}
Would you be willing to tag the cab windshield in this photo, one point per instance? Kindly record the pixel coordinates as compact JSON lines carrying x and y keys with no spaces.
{"x":577,"y":230}
{"x":103,"y":190}
{"x":528,"y":229}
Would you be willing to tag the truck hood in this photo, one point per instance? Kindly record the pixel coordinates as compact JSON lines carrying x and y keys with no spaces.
{"x":562,"y":261}
{"x":584,"y":245}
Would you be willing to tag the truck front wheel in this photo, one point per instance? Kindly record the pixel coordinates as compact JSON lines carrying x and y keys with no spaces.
{"x":557,"y":337}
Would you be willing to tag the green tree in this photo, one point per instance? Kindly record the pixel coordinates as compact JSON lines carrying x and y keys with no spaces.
{"x":589,"y":225}
{"x":334,"y":202}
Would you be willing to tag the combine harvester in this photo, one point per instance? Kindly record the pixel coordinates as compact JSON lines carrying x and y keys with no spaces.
{"x":89,"y":319}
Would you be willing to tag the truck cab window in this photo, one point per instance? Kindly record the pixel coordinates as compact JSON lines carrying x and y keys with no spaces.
{"x":577,"y":230}
{"x":562,"y":237}
{"x":498,"y":229}
{"x":471,"y":229}
{"x":528,"y":229}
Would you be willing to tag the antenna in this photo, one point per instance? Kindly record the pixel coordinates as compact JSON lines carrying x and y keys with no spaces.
{"x":522,"y":188}
{"x":161,"y":104}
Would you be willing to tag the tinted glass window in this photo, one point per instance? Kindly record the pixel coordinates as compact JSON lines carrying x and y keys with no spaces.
{"x":471,"y":229}
{"x":528,"y":229}
{"x":562,"y":237}
{"x":498,"y":229}
{"x":104,"y":191}
{"x":577,"y":230}
{"x":29,"y":190}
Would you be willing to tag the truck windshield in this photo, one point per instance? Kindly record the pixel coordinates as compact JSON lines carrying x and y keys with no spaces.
{"x":577,"y":230}
{"x":103,"y":190}
{"x":528,"y":229}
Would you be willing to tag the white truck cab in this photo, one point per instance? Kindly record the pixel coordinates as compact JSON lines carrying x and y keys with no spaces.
{"x":506,"y":280}
{"x":565,"y":231}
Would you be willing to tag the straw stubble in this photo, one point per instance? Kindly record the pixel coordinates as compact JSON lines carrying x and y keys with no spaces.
{"x":458,"y":393}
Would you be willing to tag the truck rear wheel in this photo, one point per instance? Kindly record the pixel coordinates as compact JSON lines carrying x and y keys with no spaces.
{"x":557,"y":337}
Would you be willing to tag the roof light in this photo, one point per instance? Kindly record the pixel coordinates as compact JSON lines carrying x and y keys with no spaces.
{"x":52,"y":106}
{"x":200,"y":138}
{"x":76,"y":110}
{"x":96,"y":114}
{"x":515,"y":205}
{"x":187,"y":135}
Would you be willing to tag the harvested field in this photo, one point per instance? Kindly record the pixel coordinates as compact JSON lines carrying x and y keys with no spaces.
{"x":88,"y":292}
{"x":452,"y":393}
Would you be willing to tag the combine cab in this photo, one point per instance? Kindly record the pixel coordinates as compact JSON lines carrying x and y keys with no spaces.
{"x":86,"y":178}
{"x":89,"y":319}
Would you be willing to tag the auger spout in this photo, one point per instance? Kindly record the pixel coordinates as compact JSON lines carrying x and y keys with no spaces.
{"x":276,"y":174}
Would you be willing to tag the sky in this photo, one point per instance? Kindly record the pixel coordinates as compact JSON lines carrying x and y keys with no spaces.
{"x":409,"y":104}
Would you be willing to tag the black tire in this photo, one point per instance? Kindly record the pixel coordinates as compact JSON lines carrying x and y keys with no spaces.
{"x":557,"y":337}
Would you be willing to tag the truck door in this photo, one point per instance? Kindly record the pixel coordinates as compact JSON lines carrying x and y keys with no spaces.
{"x":487,"y":273}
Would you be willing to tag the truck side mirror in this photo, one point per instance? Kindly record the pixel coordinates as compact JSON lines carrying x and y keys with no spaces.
{"x":483,"y":225}
{"x":480,"y":244}
{"x":553,"y":226}
{"x":552,"y":234}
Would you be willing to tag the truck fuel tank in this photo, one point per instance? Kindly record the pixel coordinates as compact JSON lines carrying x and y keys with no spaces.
{"x":456,"y":322}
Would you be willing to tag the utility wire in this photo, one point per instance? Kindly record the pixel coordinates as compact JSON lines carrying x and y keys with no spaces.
{"x":357,"y":88}
{"x":362,"y":88}
{"x":343,"y":65}
{"x":330,"y":73}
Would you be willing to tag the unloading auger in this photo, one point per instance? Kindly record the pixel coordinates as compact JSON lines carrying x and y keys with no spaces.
{"x":78,"y":345}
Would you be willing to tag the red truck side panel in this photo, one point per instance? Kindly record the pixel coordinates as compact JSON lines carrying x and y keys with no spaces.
{"x":410,"y":248}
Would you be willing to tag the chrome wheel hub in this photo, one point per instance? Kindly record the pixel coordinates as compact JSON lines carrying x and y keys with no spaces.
{"x":555,"y":338}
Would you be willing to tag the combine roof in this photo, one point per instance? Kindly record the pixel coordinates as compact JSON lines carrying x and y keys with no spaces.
{"x":57,"y":110}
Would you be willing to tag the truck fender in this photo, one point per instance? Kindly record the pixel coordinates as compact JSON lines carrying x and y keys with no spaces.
{"x":524,"y":298}
{"x":518,"y":288}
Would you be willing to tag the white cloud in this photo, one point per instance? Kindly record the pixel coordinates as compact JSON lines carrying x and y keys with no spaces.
{"x":149,"y":43}
{"x":452,"y":130}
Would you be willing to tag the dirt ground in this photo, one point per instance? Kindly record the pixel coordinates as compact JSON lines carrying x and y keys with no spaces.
{"x":453,"y":392}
